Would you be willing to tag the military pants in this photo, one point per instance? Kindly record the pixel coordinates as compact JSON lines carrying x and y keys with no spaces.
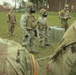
{"x":43,"y":36}
{"x":46,"y":36}
{"x":28,"y":39}
{"x":11,"y":27}
{"x":64,"y":24}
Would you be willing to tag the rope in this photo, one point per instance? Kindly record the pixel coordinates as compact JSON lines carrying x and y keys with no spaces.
{"x":44,"y":58}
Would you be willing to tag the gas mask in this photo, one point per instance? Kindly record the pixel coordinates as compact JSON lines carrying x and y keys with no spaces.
{"x":44,"y":14}
{"x":32,"y":10}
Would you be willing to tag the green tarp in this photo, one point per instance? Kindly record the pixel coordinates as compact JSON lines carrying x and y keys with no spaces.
{"x":16,"y":60}
{"x":63,"y":60}
{"x":56,"y":34}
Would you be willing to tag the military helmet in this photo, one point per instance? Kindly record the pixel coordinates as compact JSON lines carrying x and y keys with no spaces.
{"x":42,"y":11}
{"x":29,"y":4}
{"x":66,"y":6}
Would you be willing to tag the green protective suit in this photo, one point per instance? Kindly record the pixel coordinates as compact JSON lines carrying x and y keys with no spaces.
{"x":63,"y":60}
{"x":15,"y":60}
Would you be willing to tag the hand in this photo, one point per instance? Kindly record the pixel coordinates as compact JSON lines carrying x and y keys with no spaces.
{"x":15,"y":23}
{"x":65,"y":17}
{"x":7,"y":21}
{"x":69,"y":17}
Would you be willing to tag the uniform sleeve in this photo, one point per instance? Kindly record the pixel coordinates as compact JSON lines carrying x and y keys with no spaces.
{"x":69,"y":16}
{"x":61,"y":15}
{"x":8,"y":17}
{"x":41,"y":20}
{"x":23,"y":21}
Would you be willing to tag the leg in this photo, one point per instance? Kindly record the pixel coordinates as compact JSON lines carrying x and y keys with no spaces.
{"x":41,"y":35}
{"x":46,"y":38}
{"x":63,"y":24}
{"x":26,"y":39}
{"x":9,"y":29}
{"x":12,"y":28}
{"x":31,"y":42}
{"x":66,"y":25}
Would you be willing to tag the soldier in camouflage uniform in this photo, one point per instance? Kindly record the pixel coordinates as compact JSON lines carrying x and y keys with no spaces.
{"x":43,"y":28}
{"x":28,"y":25}
{"x":11,"y":20}
{"x":64,"y":16}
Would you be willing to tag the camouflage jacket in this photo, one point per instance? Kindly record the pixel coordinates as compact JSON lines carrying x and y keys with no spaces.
{"x":63,"y":14}
{"x":28,"y":21}
{"x":42,"y":23}
{"x":11,"y":17}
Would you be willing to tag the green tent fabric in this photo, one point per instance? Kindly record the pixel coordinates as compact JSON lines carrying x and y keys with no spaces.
{"x":63,"y":60}
{"x":16,"y":60}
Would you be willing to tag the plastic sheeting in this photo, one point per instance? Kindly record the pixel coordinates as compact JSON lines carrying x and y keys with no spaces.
{"x":56,"y":33}
{"x":18,"y":61}
{"x":63,"y":60}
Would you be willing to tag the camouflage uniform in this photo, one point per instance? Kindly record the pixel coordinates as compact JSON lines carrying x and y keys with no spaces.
{"x":43,"y":28}
{"x":64,"y":16}
{"x":11,"y":19}
{"x":28,"y":25}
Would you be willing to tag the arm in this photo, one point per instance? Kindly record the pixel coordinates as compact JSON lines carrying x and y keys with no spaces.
{"x":8,"y":17}
{"x":61,"y":15}
{"x":41,"y":21}
{"x":23,"y":21}
{"x":15,"y":17}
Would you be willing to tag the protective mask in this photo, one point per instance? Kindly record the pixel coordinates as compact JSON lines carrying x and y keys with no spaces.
{"x":32,"y":10}
{"x":44,"y":14}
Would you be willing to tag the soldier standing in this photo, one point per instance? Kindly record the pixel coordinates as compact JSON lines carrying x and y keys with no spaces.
{"x":64,"y":16}
{"x":11,"y":20}
{"x":28,"y":25}
{"x":43,"y":28}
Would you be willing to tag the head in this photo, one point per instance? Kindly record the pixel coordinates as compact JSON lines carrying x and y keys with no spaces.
{"x":30,"y":7}
{"x":11,"y":10}
{"x":66,"y":7}
{"x":43,"y":12}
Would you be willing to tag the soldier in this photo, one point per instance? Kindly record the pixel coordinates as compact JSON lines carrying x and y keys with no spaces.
{"x":11,"y":20}
{"x":64,"y":16}
{"x":28,"y":25}
{"x":43,"y":28}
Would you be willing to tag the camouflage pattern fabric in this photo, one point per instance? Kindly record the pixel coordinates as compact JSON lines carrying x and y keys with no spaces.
{"x":43,"y":28}
{"x":18,"y":61}
{"x":28,"y":26}
{"x":64,"y":16}
{"x":63,"y":60}
{"x":11,"y":20}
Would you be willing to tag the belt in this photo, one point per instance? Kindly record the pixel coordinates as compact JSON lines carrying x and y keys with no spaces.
{"x":29,"y":29}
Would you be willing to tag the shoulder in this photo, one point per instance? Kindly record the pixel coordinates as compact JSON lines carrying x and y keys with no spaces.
{"x":24,"y":15}
{"x":67,"y":11}
{"x":14,"y":14}
{"x":9,"y":13}
{"x":61,"y":11}
{"x":40,"y":17}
